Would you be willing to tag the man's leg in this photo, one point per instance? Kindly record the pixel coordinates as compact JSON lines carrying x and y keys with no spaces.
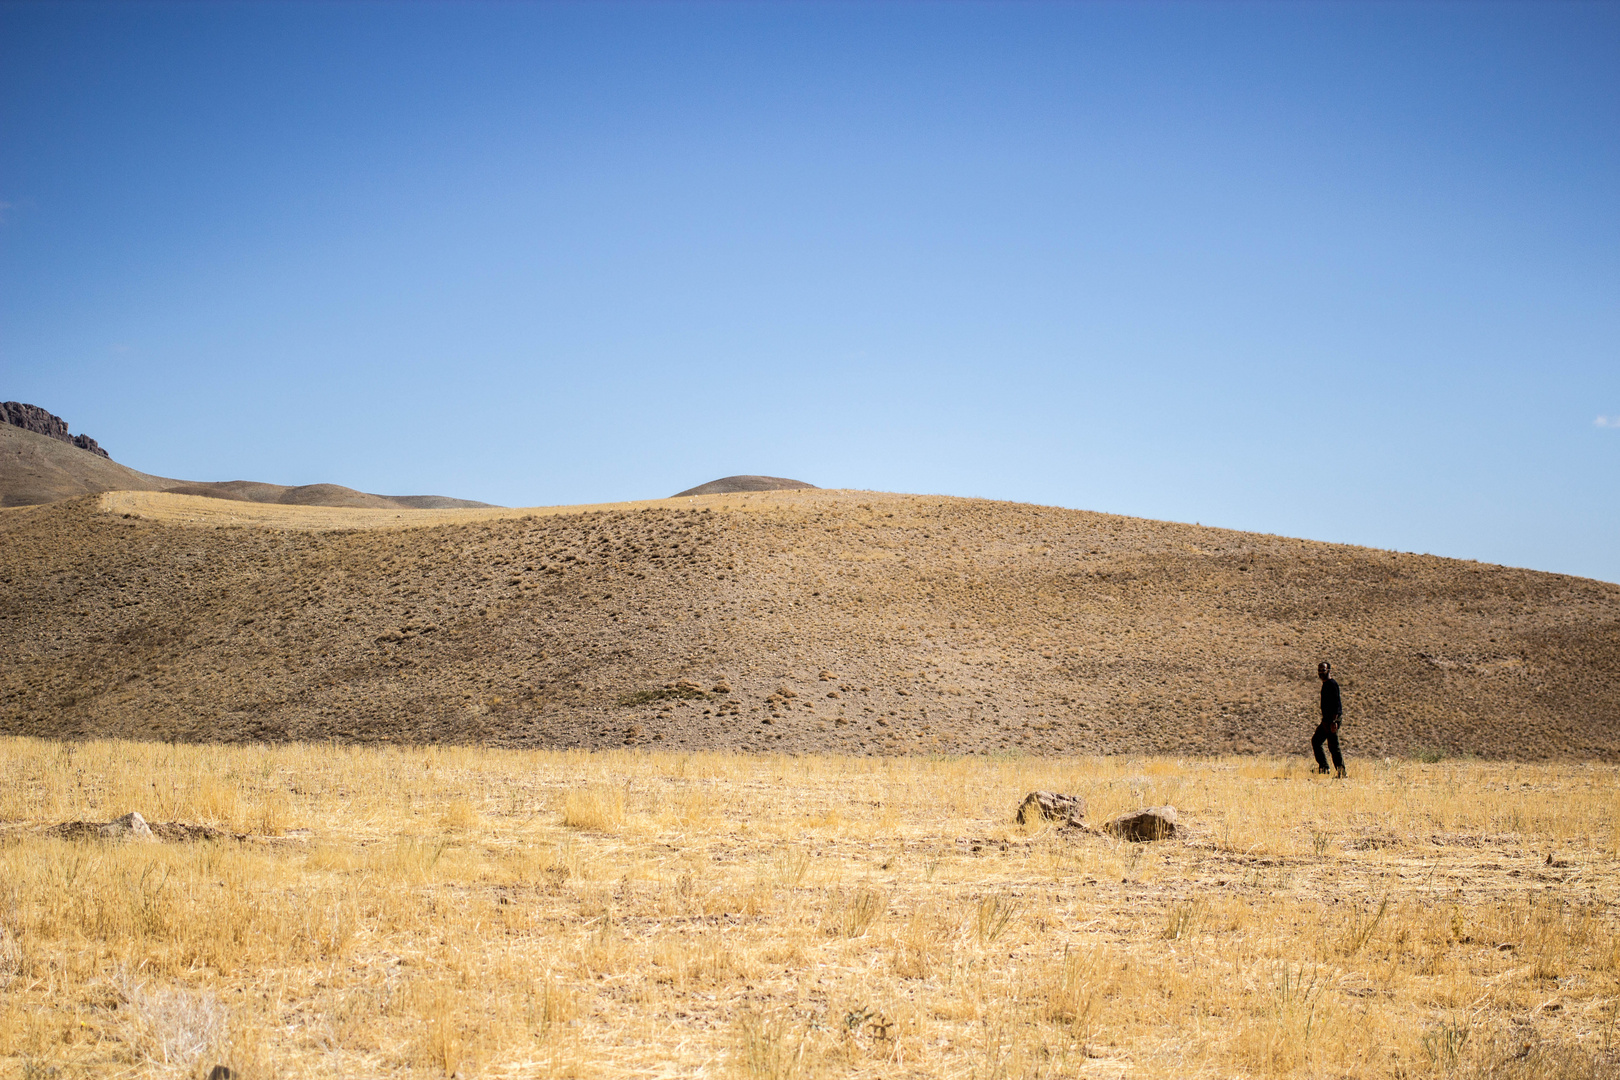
{"x":1333,"y":746}
{"x":1322,"y":732}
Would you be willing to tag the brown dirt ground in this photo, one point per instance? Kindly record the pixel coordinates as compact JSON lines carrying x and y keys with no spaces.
{"x":845,"y":622}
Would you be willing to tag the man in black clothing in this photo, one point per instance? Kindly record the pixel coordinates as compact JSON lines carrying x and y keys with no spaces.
{"x":1328,"y":730}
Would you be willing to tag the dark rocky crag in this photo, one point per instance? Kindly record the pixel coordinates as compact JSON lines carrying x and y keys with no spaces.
{"x":35,"y":419}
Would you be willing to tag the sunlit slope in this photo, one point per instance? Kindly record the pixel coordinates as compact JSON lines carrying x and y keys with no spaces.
{"x":898,"y":624}
{"x":37,"y":469}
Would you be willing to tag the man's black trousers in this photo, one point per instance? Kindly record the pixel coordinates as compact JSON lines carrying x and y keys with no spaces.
{"x":1329,"y":732}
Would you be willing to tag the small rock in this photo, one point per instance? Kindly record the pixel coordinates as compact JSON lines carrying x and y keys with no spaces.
{"x":129,"y":827}
{"x":1153,"y":823}
{"x":1051,"y":806}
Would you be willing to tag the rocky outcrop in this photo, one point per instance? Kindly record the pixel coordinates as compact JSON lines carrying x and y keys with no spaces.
{"x":1153,"y":823}
{"x":35,"y":419}
{"x":1049,"y":805}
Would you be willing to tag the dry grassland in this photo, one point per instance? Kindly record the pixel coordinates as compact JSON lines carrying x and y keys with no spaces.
{"x":406,"y":911}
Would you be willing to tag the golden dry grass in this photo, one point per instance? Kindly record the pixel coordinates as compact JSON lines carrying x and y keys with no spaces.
{"x":476,"y":912}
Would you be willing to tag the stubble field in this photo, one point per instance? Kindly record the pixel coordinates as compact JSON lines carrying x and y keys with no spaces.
{"x":406,"y":911}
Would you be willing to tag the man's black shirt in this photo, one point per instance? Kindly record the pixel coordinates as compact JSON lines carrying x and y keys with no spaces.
{"x":1332,"y":708}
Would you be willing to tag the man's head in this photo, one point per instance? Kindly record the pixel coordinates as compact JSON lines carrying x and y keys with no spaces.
{"x":1323,"y":670}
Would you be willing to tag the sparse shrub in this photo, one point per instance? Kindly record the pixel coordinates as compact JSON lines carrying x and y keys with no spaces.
{"x":594,"y":809}
{"x":1183,"y":920}
{"x":681,"y":691}
{"x":993,"y":914}
{"x":1443,"y":1045}
{"x":459,"y":815}
{"x":1363,"y":922}
{"x":917,"y":945}
{"x":171,"y":1026}
{"x":548,"y":1005}
{"x":768,"y":1048}
{"x":442,"y":1045}
{"x":789,"y":866}
{"x":853,"y":916}
{"x":1072,"y":994}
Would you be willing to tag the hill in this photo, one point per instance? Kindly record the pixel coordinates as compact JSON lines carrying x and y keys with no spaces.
{"x":36,"y":468}
{"x":729,"y":485}
{"x":40,"y":468}
{"x":829,"y":621}
{"x":35,"y":419}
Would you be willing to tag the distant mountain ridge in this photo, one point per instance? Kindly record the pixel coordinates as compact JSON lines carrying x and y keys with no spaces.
{"x":726,"y":485}
{"x":40,"y":462}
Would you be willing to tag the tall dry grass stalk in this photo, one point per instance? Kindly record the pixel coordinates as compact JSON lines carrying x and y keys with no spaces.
{"x":455,"y":911}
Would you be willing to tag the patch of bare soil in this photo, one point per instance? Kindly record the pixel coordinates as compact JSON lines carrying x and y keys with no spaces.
{"x":808,"y":621}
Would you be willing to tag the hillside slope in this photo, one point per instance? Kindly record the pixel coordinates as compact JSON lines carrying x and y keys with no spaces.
{"x":36,"y":469}
{"x":841,"y":621}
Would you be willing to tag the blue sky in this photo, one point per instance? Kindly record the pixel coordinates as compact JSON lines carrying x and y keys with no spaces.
{"x":1348,"y":272}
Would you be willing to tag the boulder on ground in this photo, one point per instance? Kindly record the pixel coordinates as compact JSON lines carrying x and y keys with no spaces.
{"x":129,"y":827}
{"x":1153,"y":823}
{"x":1051,"y":806}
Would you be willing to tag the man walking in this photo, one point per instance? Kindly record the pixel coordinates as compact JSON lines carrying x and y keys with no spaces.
{"x":1328,"y":730}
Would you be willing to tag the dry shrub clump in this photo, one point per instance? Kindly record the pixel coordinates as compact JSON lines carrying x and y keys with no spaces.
{"x":466,"y":912}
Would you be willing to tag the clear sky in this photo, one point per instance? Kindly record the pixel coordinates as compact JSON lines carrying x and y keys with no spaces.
{"x":1347,"y":272}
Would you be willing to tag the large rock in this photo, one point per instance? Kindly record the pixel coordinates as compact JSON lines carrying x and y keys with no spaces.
{"x":1051,"y":806}
{"x":129,"y":827}
{"x":1153,"y":823}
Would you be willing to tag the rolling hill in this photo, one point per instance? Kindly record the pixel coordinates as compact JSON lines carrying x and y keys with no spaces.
{"x":799,"y":620}
{"x":37,"y":468}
